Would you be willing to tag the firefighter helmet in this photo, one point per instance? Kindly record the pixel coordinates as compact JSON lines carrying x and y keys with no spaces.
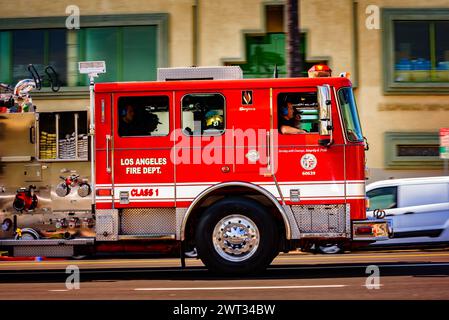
{"x":214,"y":122}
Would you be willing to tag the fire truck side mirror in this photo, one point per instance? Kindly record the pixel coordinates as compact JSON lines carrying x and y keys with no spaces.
{"x":325,"y":105}
{"x":325,"y":142}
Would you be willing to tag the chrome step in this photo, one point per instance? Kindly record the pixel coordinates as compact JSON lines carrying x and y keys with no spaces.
{"x":153,"y":236}
{"x":48,"y":242}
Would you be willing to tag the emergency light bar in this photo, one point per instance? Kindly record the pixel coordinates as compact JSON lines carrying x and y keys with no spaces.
{"x":319,"y":71}
{"x":92,"y":67}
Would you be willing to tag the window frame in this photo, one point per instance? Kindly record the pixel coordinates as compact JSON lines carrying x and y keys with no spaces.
{"x":278,"y":114}
{"x":389,"y":15}
{"x":224,"y":114}
{"x":392,"y":161}
{"x":395,"y":194}
{"x":343,"y":118}
{"x":160,"y":20}
{"x":144,"y":136}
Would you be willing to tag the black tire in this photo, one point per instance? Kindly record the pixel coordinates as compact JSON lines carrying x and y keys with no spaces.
{"x":255,"y":260}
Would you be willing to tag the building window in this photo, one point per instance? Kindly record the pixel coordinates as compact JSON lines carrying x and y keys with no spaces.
{"x":416,"y":49}
{"x":265,"y":52}
{"x":418,"y":150}
{"x":130,"y":52}
{"x":203,"y":114}
{"x":133,"y":46}
{"x":274,"y":18}
{"x":143,"y":116}
{"x":412,"y":150}
{"x":40,"y":47}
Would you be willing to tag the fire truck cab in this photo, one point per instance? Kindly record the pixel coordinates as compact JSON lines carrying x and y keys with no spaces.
{"x":238,"y":169}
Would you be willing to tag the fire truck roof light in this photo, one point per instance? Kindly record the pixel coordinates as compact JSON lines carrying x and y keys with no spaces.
{"x":319,"y":71}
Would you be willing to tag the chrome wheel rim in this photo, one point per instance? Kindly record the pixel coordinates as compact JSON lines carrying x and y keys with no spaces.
{"x":330,"y":248}
{"x":27,"y":236}
{"x":236,"y":238}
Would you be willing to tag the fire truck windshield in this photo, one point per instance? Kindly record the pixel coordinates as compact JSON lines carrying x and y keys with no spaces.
{"x":350,"y":115}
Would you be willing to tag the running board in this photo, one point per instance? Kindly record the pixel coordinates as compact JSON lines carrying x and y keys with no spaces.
{"x":159,"y":236}
{"x":45,"y":247}
{"x":48,"y":242}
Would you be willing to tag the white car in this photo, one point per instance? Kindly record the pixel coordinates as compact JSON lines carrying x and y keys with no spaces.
{"x":417,"y":207}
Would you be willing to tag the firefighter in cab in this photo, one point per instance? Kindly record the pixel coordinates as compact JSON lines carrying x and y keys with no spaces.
{"x":288,"y":121}
{"x":214,"y":121}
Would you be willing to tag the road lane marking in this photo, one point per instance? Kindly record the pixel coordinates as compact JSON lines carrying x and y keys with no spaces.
{"x":59,"y":290}
{"x":242,"y":288}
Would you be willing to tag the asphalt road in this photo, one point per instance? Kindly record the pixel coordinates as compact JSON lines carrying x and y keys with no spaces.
{"x":411,"y":274}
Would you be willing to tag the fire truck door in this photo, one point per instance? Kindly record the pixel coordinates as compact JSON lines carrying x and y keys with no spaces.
{"x":306,"y":171}
{"x":221,"y":137}
{"x":103,"y":154}
{"x":143,"y":171}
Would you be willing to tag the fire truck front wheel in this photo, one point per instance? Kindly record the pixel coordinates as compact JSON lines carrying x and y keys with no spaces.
{"x":236,"y":235}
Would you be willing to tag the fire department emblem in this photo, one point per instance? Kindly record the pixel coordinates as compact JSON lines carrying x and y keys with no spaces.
{"x":247,"y":97}
{"x":308,"y":161}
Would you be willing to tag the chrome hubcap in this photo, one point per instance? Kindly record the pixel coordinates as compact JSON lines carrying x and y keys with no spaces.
{"x":236,"y":238}
{"x":330,"y":248}
{"x":27,"y":236}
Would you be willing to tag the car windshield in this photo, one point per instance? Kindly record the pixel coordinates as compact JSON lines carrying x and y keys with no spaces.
{"x":350,"y":115}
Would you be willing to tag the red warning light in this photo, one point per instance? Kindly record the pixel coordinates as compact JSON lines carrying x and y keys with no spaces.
{"x":320,"y":70}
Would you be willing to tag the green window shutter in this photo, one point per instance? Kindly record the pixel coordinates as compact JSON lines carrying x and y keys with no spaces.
{"x":263,"y":52}
{"x":130,"y":52}
{"x":5,"y":57}
{"x":101,"y":44}
{"x":139,"y":53}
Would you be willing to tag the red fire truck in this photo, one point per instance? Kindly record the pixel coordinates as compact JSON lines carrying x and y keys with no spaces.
{"x":237,"y":169}
{"x":210,"y":163}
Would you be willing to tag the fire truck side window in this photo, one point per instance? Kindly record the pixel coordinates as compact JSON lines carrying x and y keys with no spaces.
{"x":203,"y":114}
{"x":298,"y":112}
{"x":143,"y":116}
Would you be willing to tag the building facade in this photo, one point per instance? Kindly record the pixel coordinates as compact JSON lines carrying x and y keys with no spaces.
{"x":397,"y":52}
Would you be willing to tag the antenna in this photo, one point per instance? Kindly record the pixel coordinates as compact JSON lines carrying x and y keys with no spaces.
{"x":275,"y":73}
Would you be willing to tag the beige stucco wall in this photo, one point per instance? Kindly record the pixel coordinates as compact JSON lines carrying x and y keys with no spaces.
{"x":329,"y":28}
{"x":329,"y":35}
{"x":221,"y":29}
{"x":330,"y":31}
{"x":371,"y":98}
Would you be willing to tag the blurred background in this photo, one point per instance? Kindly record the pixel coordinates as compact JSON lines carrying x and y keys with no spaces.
{"x":396,"y":51}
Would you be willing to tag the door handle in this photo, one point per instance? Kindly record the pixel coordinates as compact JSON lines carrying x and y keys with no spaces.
{"x":32,"y":134}
{"x":269,"y":172}
{"x":268,"y":151}
{"x":108,"y":167}
{"x":409,"y":212}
